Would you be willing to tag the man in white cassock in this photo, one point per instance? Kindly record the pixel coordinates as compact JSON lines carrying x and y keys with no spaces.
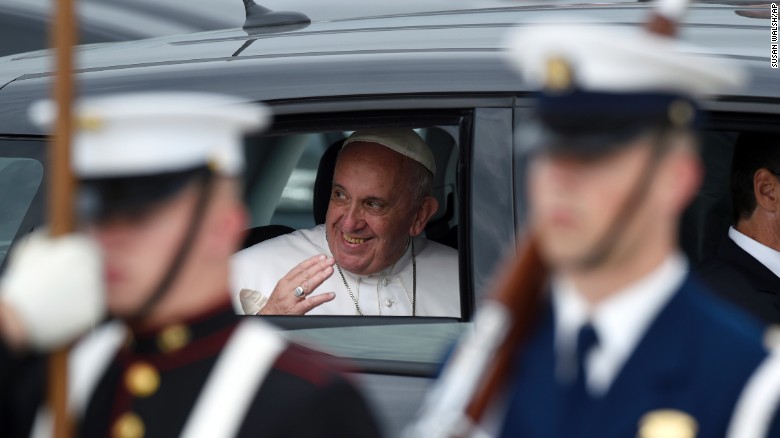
{"x":369,"y":258}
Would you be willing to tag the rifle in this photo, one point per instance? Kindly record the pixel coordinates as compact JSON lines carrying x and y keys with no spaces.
{"x":483,"y":358}
{"x":60,"y":193}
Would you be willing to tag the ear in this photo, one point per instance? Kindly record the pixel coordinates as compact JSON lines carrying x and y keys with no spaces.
{"x":765,"y":189}
{"x":426,"y":210}
{"x":677,"y":181}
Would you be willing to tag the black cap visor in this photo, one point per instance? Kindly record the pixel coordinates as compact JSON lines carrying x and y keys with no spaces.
{"x":103,"y":198}
{"x":590,"y":124}
{"x":535,"y":138}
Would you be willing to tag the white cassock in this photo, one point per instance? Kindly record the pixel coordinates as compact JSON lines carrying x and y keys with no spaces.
{"x":389,"y":292}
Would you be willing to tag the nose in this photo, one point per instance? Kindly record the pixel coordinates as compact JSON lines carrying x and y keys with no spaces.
{"x":109,"y":234}
{"x":353,"y":218}
{"x":563,"y":171}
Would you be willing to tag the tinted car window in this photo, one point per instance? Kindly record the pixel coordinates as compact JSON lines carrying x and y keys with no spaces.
{"x":288,"y":183}
{"x":295,"y":205}
{"x":20,"y":179}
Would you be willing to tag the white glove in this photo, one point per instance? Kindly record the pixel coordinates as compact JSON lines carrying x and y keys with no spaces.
{"x":55,"y":287}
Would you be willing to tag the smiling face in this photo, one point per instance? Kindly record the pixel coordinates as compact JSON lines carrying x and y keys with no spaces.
{"x":374,"y":208}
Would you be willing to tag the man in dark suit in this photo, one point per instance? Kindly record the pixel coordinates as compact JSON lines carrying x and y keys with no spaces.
{"x":746,"y":267}
{"x":159,"y":191}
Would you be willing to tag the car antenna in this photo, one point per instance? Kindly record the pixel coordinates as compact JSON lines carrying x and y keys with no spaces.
{"x":260,"y":20}
{"x":260,"y":17}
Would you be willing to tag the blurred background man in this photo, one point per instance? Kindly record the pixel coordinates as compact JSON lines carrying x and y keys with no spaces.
{"x":746,"y":267}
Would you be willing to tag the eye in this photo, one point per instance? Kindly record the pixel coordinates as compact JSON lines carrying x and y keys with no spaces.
{"x":374,"y":204}
{"x":338,"y":194}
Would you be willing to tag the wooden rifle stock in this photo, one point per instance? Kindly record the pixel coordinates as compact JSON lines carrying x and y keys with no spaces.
{"x":483,"y":358}
{"x":520,"y":292}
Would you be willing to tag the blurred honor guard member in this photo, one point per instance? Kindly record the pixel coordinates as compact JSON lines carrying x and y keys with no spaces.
{"x":158,"y":190}
{"x":369,"y":258}
{"x":630,"y":344}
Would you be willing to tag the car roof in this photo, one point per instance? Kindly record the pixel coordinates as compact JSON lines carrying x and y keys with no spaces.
{"x":446,"y":51}
{"x":135,"y":19}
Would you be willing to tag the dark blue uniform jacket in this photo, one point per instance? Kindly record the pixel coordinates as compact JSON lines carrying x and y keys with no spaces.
{"x":695,"y":357}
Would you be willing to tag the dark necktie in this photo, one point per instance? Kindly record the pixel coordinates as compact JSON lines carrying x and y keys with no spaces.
{"x":586,"y":340}
{"x":576,"y":399}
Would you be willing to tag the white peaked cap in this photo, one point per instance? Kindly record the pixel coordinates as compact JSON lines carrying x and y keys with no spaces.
{"x":609,"y":59}
{"x":157,"y":132}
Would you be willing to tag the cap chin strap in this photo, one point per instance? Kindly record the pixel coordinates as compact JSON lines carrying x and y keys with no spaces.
{"x":205,"y":183}
{"x":605,"y":246}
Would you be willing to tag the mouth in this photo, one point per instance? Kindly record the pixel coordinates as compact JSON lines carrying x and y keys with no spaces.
{"x":561,"y":217}
{"x":561,"y":220}
{"x":353,"y":240}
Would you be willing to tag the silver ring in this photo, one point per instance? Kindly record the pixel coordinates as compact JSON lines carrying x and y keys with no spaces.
{"x":298,"y":292}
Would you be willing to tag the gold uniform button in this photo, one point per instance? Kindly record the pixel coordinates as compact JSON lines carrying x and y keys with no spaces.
{"x":667,"y":423}
{"x":142,"y":379}
{"x":129,"y":425}
{"x":173,"y":338}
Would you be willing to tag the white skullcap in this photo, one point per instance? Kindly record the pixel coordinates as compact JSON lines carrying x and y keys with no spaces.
{"x":402,"y":140}
{"x":152,"y":133}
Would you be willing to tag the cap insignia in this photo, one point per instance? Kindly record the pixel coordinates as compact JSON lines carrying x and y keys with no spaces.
{"x":680,"y":113}
{"x":213,"y":165}
{"x":559,"y":75}
{"x":90,"y":122}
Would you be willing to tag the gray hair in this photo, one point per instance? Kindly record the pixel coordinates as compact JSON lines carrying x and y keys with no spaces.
{"x":420,"y":180}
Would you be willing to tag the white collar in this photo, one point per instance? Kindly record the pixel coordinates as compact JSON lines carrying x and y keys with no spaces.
{"x":400,"y":265}
{"x":620,"y":321}
{"x":764,"y":254}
